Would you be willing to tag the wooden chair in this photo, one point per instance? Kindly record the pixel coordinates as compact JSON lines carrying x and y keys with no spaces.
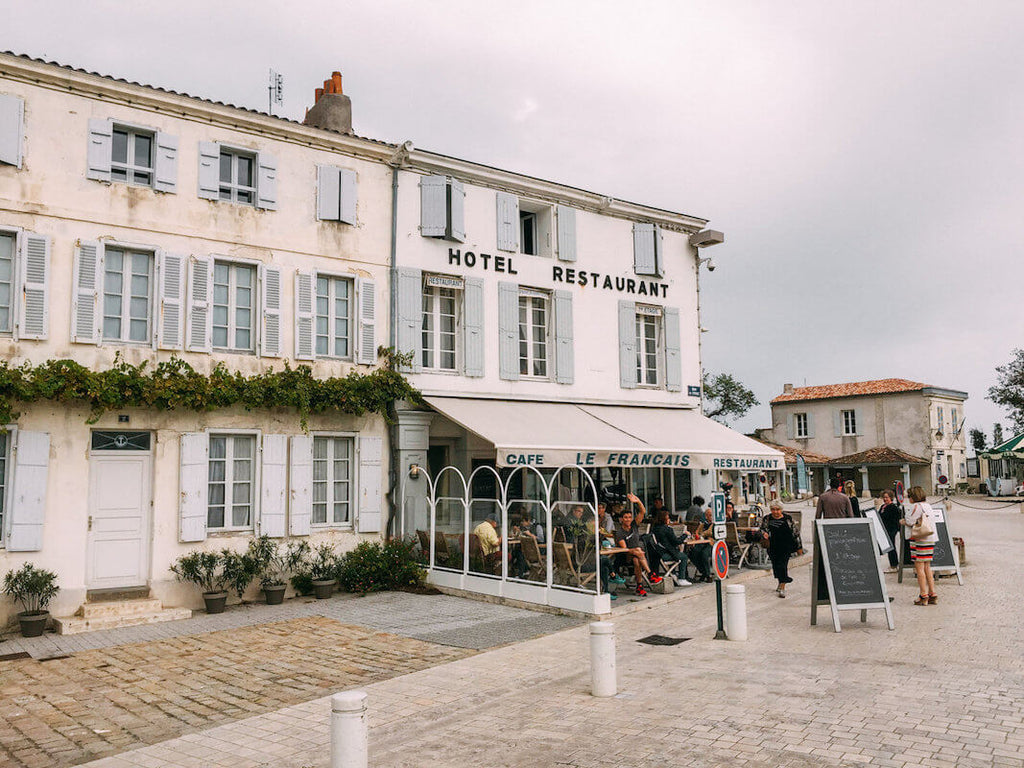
{"x":442,"y":551}
{"x":424,"y":539}
{"x":560,"y":534}
{"x":533,"y":557}
{"x":566,"y":569}
{"x":491,"y":564}
{"x":732,"y":540}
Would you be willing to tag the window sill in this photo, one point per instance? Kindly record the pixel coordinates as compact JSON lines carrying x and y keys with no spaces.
{"x":225,"y":533}
{"x":225,"y":350}
{"x":441,"y":371}
{"x":121,"y":343}
{"x":326,"y":527}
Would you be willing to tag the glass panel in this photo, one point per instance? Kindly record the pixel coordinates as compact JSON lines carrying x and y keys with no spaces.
{"x":218,"y":447}
{"x":143,"y":150}
{"x":138,"y":330}
{"x":240,"y":491}
{"x":119,"y":147}
{"x":111,"y":328}
{"x":319,"y":514}
{"x":245,"y":171}
{"x":240,"y":517}
{"x":141,"y":178}
{"x":120,"y":441}
{"x":138,"y":308}
{"x":217,"y":492}
{"x":118,"y":174}
{"x":225,"y":169}
{"x":215,"y":517}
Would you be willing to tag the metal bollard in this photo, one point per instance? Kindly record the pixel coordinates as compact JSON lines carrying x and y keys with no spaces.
{"x":736,"y":612}
{"x":348,"y":730}
{"x":602,"y":658}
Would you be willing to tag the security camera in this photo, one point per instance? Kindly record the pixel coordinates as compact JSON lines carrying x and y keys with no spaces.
{"x":711,"y":266}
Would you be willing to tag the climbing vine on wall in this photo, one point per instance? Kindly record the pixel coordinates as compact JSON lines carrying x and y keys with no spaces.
{"x":175,"y":385}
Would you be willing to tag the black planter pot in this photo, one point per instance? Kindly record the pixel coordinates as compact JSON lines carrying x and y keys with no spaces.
{"x":275,"y":593}
{"x":33,"y":623}
{"x":215,"y":601}
{"x":323,"y":588}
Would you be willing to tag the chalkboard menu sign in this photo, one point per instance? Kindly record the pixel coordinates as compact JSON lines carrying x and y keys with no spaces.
{"x":944,"y":558}
{"x":846,"y":572}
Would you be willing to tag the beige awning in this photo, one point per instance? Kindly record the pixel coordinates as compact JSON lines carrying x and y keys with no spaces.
{"x":556,"y":434}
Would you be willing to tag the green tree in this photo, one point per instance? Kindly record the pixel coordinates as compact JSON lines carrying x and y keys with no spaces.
{"x":1009,"y":392}
{"x":726,"y":398}
{"x":997,"y":434}
{"x":979,"y":440}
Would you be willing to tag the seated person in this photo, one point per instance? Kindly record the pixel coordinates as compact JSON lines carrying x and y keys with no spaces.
{"x":700,"y":554}
{"x":639,"y":512}
{"x":490,"y":542}
{"x":627,"y":537}
{"x":695,"y":512}
{"x":670,"y":545}
{"x":730,"y":512}
{"x":605,"y":518}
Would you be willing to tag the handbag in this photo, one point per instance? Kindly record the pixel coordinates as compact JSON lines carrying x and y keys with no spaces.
{"x":923,"y":528}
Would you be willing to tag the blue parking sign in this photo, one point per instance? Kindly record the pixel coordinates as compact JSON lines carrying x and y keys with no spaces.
{"x":718,"y":508}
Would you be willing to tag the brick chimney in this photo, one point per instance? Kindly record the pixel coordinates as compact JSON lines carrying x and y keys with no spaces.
{"x":332,"y":110}
{"x":787,"y":389}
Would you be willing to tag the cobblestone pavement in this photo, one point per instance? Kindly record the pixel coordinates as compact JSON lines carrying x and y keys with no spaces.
{"x":946,"y":688}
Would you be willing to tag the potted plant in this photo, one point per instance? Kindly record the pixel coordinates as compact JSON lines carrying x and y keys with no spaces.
{"x":322,"y":567}
{"x":205,"y":570}
{"x":239,"y":570}
{"x":34,"y":588}
{"x":273,"y":564}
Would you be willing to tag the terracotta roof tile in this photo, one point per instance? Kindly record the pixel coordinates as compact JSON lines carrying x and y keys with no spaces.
{"x":882,"y":454}
{"x":791,"y":453}
{"x":877,"y":387}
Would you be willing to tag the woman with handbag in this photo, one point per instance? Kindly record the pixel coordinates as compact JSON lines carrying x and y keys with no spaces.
{"x":782,"y":538}
{"x":920,"y":519}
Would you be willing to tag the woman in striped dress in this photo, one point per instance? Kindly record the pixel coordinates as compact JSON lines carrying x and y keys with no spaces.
{"x":921,"y":549}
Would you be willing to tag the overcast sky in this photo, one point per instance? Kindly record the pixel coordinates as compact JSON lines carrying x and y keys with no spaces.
{"x":865,"y":160}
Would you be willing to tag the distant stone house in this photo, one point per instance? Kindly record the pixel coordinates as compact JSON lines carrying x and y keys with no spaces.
{"x":879,"y":431}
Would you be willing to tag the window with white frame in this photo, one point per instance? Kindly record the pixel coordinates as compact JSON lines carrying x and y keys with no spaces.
{"x":231,"y":482}
{"x":131,"y":159}
{"x":848,"y":419}
{"x":234,"y":287}
{"x":800,"y":424}
{"x":648,"y":345}
{"x":5,"y":441}
{"x":333,"y":316}
{"x":939,"y":419}
{"x":440,"y":331}
{"x":535,"y":222}
{"x":952,"y":415}
{"x":332,"y":480}
{"x":237,"y":176}
{"x":127,"y":295}
{"x":534,"y":332}
{"x":8,"y":258}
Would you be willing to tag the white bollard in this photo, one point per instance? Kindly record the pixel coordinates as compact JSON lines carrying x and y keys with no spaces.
{"x":348,"y":730}
{"x":736,"y":612}
{"x":602,"y":658}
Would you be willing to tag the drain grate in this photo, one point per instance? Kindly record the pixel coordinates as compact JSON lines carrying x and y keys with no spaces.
{"x":662,"y":640}
{"x":52,"y":658}
{"x":15,"y":656}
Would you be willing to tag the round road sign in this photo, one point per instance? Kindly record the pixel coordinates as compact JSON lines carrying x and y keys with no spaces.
{"x":899,"y":491}
{"x":720,"y":558}
{"x":943,"y":480}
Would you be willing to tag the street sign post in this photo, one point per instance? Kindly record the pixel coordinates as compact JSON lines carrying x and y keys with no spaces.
{"x":718,"y":530}
{"x":720,"y":559}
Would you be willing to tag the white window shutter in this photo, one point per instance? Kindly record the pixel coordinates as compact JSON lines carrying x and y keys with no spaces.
{"x":627,"y":344}
{"x":34,"y":275}
{"x":209,"y":170}
{"x":200,"y":313}
{"x":101,"y":136}
{"x":304,"y":304}
{"x":193,"y":481}
{"x":457,"y":212}
{"x":328,"y":193}
{"x":564,"y":360}
{"x":645,"y":260}
{"x":410,"y":315}
{"x":371,"y":478}
{"x":300,"y":480}
{"x":86,"y":316}
{"x":508,"y":331}
{"x":270,"y":323}
{"x":274,"y":486}
{"x":433,"y":206}
{"x":27,"y":497}
{"x":366,"y":293}
{"x":791,"y":426}
{"x":172,"y":300}
{"x":673,"y":351}
{"x":566,"y":233}
{"x":349,"y":192}
{"x":837,"y":423}
{"x":858,"y":421}
{"x":473,"y":327}
{"x":266,"y":182}
{"x":508,"y":222}
{"x":165,"y":169}
{"x":12,"y":129}
{"x":810,"y":425}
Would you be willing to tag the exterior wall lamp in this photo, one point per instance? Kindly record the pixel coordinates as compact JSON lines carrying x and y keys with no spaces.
{"x":414,"y":471}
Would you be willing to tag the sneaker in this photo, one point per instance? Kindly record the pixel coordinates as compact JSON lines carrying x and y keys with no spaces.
{"x":781,"y":593}
{"x":683,"y":583}
{"x":655,"y":579}
{"x":641,"y":592}
{"x":616,"y":579}
{"x":613,"y":596}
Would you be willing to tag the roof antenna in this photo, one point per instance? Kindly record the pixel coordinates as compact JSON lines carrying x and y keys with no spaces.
{"x":275,"y":90}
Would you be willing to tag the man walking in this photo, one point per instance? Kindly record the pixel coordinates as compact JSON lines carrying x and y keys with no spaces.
{"x":833,"y":503}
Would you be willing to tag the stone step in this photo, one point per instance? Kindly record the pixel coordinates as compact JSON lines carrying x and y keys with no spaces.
{"x":74,"y":625}
{"x":119,"y":608}
{"x":115,"y":594}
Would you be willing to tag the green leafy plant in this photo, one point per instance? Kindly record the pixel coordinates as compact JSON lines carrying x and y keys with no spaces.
{"x":302,"y":583}
{"x":323,"y":563}
{"x":204,"y":569}
{"x":273,"y":562}
{"x":786,"y":495}
{"x":373,"y":566}
{"x":239,"y":570}
{"x":33,"y":587}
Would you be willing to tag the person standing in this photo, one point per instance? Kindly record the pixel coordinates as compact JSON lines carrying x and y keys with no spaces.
{"x":890,"y":515}
{"x":922,"y":547}
{"x":782,"y":538}
{"x":851,"y":491}
{"x":833,"y":503}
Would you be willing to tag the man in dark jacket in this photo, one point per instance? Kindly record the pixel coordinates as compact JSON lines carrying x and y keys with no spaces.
{"x":833,"y":503}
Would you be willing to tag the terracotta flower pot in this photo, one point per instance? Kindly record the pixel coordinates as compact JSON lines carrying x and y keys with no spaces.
{"x":275,"y":593}
{"x":33,"y":623}
{"x":215,"y":601}
{"x":323,"y":588}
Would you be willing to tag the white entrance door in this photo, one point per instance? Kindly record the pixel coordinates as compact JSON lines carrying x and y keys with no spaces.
{"x":120,"y":497}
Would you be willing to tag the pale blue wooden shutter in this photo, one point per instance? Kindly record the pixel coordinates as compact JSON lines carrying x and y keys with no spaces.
{"x":508,"y":222}
{"x":456,"y":211}
{"x":347,"y":210}
{"x":172,"y":300}
{"x":837,"y":423}
{"x":566,"y":233}
{"x":266,"y":181}
{"x":274,"y":486}
{"x":627,"y":344}
{"x":645,"y":260}
{"x":410,"y":315}
{"x":366,"y":296}
{"x":508,"y":331}
{"x":300,"y":480}
{"x":304,"y":304}
{"x":86,"y":317}
{"x":209,"y":170}
{"x":673,"y":351}
{"x":34,"y":276}
{"x":12,"y":120}
{"x":328,"y":192}
{"x":473,"y":327}
{"x":791,"y":426}
{"x":200,"y":314}
{"x":165,"y":167}
{"x":858,"y":421}
{"x":810,"y":425}
{"x":564,"y":354}
{"x":193,"y":482}
{"x":433,"y":206}
{"x":270,"y":323}
{"x":101,"y":135}
{"x":27,"y":497}
{"x":370,"y":480}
